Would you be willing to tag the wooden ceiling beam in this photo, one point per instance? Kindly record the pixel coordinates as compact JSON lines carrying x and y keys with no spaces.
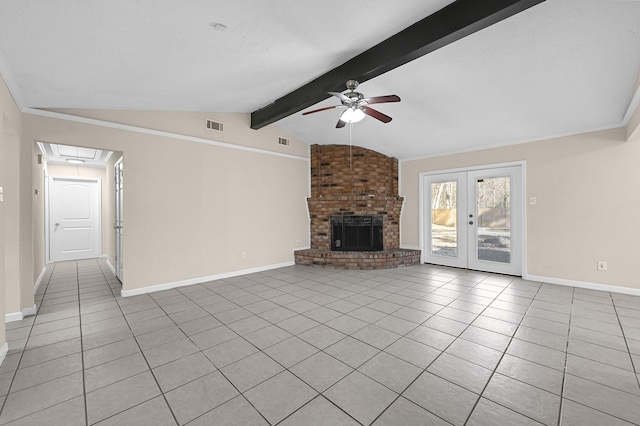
{"x":455,"y":21}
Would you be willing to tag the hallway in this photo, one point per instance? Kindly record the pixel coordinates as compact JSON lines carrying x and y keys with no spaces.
{"x":302,"y":345}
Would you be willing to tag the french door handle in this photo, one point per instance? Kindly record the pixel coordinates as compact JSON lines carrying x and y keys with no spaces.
{"x":470,"y":222}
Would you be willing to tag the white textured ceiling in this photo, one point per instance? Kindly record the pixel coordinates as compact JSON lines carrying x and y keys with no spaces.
{"x":64,"y":154}
{"x":563,"y":66}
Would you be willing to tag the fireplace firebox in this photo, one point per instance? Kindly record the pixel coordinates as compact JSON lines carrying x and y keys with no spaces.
{"x":356,"y":233}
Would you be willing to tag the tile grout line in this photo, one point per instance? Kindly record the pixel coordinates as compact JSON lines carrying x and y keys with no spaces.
{"x":636,"y":369}
{"x":212,"y":363}
{"x":84,"y":384}
{"x":321,"y":394}
{"x":588,"y":379}
{"x":301,"y":285}
{"x":387,"y":315}
{"x":444,"y":350}
{"x":222,"y":324}
{"x":504,"y":352}
{"x":259,"y":350}
{"x":143,"y":356}
{"x":15,"y":372}
{"x":48,"y":381}
{"x":566,"y":357}
{"x":418,"y":325}
{"x":285,"y":368}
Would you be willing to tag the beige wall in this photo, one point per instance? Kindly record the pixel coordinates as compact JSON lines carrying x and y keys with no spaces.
{"x":191,"y":209}
{"x":39,"y":176}
{"x":588,"y":194}
{"x":633,"y":129}
{"x":11,"y":171}
{"x":28,"y":274}
{"x":63,"y":170}
{"x":10,"y":132}
{"x":237,"y":127}
{"x":3,"y":222}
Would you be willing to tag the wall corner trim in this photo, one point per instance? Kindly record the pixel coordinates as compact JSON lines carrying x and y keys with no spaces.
{"x":13,"y":316}
{"x":31,"y":310}
{"x":3,"y":352}
{"x":175,"y":284}
{"x":39,"y":279}
{"x":582,"y":284}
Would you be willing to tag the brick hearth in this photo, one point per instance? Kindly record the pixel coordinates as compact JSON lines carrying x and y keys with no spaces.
{"x":354,"y":181}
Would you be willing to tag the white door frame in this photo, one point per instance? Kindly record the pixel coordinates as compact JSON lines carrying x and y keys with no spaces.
{"x":422,"y":217}
{"x":118,"y":205}
{"x":47,"y":250}
{"x":47,"y":209}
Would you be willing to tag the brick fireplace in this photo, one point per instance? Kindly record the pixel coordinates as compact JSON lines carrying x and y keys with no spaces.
{"x":353,"y":181}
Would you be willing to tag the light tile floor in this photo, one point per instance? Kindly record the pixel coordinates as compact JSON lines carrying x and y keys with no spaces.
{"x":419,"y":345}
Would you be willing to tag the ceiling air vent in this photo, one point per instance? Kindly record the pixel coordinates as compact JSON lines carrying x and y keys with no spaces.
{"x":284,"y":141}
{"x":215,"y":126}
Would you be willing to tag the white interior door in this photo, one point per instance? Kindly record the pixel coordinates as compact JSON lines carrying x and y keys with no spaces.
{"x":474,"y":219}
{"x":118,"y":227}
{"x":74,"y":218}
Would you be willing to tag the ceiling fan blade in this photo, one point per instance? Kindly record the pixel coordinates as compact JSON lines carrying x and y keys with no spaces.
{"x":382,"y":99}
{"x":340,"y":96}
{"x":341,"y":124}
{"x":376,"y":114}
{"x":323,"y":109}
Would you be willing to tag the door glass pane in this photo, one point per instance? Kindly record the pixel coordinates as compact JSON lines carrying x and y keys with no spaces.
{"x":494,"y":219}
{"x":444,"y":230}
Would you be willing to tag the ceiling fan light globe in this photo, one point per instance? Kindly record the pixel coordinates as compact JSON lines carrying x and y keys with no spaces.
{"x":347,"y":115}
{"x":358,"y":115}
{"x":352,"y":115}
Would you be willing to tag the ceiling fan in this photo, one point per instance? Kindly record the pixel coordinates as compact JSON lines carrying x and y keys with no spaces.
{"x":357,"y":105}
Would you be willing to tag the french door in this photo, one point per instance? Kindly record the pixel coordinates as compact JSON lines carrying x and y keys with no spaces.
{"x":473,"y":219}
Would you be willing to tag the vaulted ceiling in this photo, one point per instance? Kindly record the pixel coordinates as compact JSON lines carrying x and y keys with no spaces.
{"x":559,"y":67}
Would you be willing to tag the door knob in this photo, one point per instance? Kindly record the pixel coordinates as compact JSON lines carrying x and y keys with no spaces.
{"x":470,"y":222}
{"x":57,"y":224}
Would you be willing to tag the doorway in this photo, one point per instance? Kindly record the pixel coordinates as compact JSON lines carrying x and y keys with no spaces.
{"x":119,"y":176}
{"x":473,"y":219}
{"x":74,"y":219}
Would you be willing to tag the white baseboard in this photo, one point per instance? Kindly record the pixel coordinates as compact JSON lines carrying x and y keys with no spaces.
{"x":39,"y":280}
{"x":17,"y":316}
{"x":168,"y":286}
{"x":26,"y":312}
{"x":408,"y":247}
{"x":103,"y":256}
{"x":113,"y":270}
{"x":13,"y":316}
{"x":583,"y":284}
{"x":3,"y":352}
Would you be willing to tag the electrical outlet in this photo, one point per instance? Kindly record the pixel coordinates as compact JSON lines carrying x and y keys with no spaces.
{"x":244,"y":254}
{"x":532,"y":200}
{"x":602,"y":265}
{"x":297,"y":243}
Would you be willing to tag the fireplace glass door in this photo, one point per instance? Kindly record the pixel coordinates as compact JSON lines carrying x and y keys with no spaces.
{"x":356,"y":233}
